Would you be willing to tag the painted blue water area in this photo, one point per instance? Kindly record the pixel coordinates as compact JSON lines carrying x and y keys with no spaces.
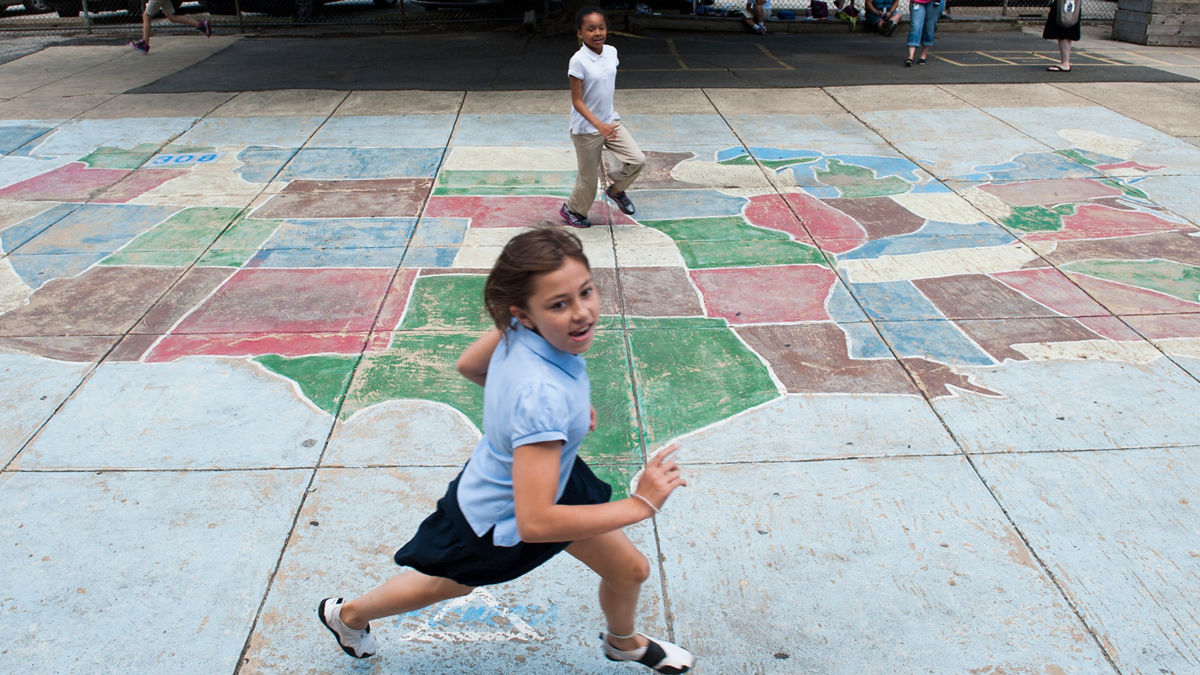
{"x":679,"y":130}
{"x":217,"y":132}
{"x":676,"y":204}
{"x":771,"y":154}
{"x":894,"y":301}
{"x":939,"y":341}
{"x":880,"y":167}
{"x":15,"y":135}
{"x":429,"y":256}
{"x":260,"y":164}
{"x":440,"y":232}
{"x":329,"y":233}
{"x":363,"y":163}
{"x":15,"y":235}
{"x":933,"y":236}
{"x":512,"y":129}
{"x":1030,"y":166}
{"x":384,"y":131}
{"x":78,"y":138}
{"x":292,"y":258}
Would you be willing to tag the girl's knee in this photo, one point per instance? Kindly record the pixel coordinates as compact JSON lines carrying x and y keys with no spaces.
{"x":632,"y":571}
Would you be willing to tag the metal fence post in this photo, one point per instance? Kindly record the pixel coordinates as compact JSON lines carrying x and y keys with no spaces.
{"x":87,"y":18}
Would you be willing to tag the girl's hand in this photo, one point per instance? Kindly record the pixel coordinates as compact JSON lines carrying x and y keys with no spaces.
{"x":660,"y":477}
{"x":592,"y":424}
{"x":608,"y":131}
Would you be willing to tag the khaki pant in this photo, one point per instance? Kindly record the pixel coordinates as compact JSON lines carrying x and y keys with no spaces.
{"x":587,"y":152}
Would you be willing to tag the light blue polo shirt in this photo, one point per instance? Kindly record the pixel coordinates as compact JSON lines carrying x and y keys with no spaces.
{"x":535,"y":393}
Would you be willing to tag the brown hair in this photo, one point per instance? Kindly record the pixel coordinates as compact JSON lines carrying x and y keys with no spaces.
{"x":525,"y":257}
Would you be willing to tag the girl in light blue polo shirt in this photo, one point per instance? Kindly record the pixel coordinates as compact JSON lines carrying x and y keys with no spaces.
{"x":525,"y":495}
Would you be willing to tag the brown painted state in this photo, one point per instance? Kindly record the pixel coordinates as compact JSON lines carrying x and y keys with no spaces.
{"x":183,"y":297}
{"x":1050,"y":192}
{"x":978,"y":296}
{"x":105,"y":300}
{"x":936,"y":379}
{"x":76,"y":349}
{"x":880,"y":216}
{"x":655,"y":291}
{"x":814,"y":358}
{"x":656,"y":174}
{"x":997,"y":337}
{"x":1180,"y":247}
{"x":380,"y":198}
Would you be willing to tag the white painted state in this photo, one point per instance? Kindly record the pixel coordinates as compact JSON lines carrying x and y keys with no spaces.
{"x":13,"y":290}
{"x":403,"y":432}
{"x":645,"y":247}
{"x":468,"y":158}
{"x":940,"y":206}
{"x":1132,"y":352}
{"x":996,"y":208}
{"x":482,"y":245}
{"x":948,"y":262}
{"x":711,"y":174}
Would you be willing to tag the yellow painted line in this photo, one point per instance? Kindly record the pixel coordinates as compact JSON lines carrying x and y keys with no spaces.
{"x":628,"y":35}
{"x":764,"y":50}
{"x":1151,"y":58}
{"x":997,"y":58}
{"x":675,"y":53}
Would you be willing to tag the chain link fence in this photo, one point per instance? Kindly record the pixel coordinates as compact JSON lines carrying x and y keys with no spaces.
{"x":113,"y":16}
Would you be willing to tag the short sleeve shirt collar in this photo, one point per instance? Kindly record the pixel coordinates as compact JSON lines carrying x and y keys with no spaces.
{"x":571,"y":364}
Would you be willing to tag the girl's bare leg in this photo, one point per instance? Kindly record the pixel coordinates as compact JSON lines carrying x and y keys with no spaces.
{"x":1064,"y":54}
{"x":622,"y":569}
{"x":402,"y":593}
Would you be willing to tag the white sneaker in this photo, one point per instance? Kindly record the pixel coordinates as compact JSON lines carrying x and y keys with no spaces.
{"x":660,"y":655}
{"x":357,"y":643}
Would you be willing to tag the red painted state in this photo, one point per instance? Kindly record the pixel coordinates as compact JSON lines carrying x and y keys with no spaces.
{"x":75,"y":182}
{"x":1051,"y":288}
{"x":512,"y":211}
{"x":1122,"y":299}
{"x":393,"y":309}
{"x":781,"y":294}
{"x":833,"y":230}
{"x":771,"y":212}
{"x":261,"y":301}
{"x":293,"y":344}
{"x":1094,"y":221}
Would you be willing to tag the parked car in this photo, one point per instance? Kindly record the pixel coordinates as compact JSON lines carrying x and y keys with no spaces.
{"x":74,"y":7}
{"x":31,"y":6}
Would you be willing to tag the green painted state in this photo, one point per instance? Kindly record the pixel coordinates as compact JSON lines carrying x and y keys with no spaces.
{"x":226,"y":257}
{"x":1165,"y":276}
{"x":248,"y":234}
{"x":417,"y":366}
{"x":675,"y":323}
{"x":512,"y":179}
{"x":447,"y":302}
{"x":776,"y":164}
{"x":323,"y":378}
{"x":1037,"y":218}
{"x":729,"y":241}
{"x":120,"y":158}
{"x":858,"y":181}
{"x":615,"y":438}
{"x":688,"y":379}
{"x":616,"y":475}
{"x":178,"y":240}
{"x":1127,"y":189}
{"x":1077,"y":156}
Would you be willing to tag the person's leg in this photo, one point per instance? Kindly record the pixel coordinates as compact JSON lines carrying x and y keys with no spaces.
{"x":631,"y":157}
{"x":916,"y":19}
{"x":402,"y":593}
{"x":1064,"y":54}
{"x":587,"y":156}
{"x":146,"y":28}
{"x":622,"y":569}
{"x":929,"y":26}
{"x":182,"y":19}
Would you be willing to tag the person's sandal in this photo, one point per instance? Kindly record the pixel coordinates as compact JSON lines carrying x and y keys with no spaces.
{"x":658,"y":655}
{"x":920,"y":61}
{"x":907,"y":63}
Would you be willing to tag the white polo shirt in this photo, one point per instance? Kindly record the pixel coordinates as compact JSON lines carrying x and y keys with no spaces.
{"x":599,"y":75}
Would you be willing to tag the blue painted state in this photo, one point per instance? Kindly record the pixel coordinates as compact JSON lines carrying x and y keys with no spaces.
{"x":260,"y":163}
{"x":293,"y":258}
{"x":841,"y":306}
{"x":101,"y":228}
{"x":363,"y":163}
{"x":78,"y":138}
{"x":429,"y":256}
{"x":933,"y":236}
{"x":1032,"y":166}
{"x":14,"y":136}
{"x":667,"y":204}
{"x":384,"y":131}
{"x":881,"y":166}
{"x":440,"y":232}
{"x":894,"y":301}
{"x":15,"y":235}
{"x":329,"y":233}
{"x":35,"y":270}
{"x":938,"y":341}
{"x":864,"y":342}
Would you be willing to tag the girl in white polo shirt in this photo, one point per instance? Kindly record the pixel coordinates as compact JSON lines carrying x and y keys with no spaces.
{"x":594,"y":124}
{"x":526,"y":495}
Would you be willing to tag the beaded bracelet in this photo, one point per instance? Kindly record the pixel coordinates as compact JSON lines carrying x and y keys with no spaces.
{"x":648,"y":502}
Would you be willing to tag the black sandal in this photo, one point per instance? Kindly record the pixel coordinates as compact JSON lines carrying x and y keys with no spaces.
{"x":907,"y":63}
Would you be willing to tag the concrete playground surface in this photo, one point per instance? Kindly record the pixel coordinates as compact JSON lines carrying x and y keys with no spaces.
{"x":931,"y":351}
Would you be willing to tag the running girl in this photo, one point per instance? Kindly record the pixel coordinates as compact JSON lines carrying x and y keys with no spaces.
{"x":594,"y":124}
{"x":525,"y":495}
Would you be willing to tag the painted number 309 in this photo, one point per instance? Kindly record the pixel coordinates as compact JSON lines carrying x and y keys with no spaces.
{"x":183,"y":159}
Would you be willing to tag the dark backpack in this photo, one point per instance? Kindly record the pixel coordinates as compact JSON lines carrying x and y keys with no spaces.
{"x":819,"y":9}
{"x":1066,"y":12}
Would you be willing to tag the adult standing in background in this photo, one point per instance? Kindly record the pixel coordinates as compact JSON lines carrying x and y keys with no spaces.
{"x":923,"y":18}
{"x":1062,"y":24}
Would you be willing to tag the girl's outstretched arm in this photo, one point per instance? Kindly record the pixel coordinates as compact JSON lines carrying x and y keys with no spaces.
{"x":473,"y":364}
{"x":539,"y":519}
